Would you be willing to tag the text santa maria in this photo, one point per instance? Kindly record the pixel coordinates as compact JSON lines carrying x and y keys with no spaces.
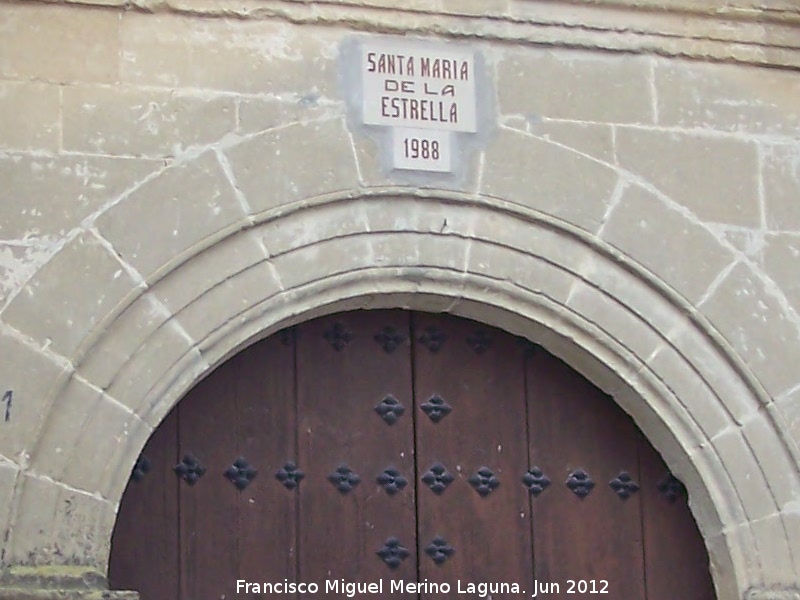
{"x":418,"y":84}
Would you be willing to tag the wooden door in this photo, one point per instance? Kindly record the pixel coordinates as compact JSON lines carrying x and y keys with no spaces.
{"x":386,"y":446}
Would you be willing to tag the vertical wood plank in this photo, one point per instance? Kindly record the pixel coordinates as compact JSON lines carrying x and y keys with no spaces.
{"x":209,"y":509}
{"x":573,"y":426}
{"x":144,"y":547}
{"x":338,"y":390}
{"x":677,"y":562}
{"x":266,"y":438}
{"x":479,"y":373}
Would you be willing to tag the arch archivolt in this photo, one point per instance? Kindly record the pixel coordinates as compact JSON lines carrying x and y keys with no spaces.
{"x":474,"y":255}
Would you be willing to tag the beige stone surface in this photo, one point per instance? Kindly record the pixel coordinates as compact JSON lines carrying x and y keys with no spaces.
{"x":58,"y":44}
{"x":132,"y":121}
{"x":774,"y":460}
{"x":258,"y":114}
{"x":169,"y":348}
{"x":557,"y":181}
{"x":782,"y":264}
{"x":182,"y":207}
{"x":594,"y":139}
{"x":270,"y":172}
{"x":30,"y":115}
{"x":789,"y":408}
{"x":665,"y":241}
{"x":33,"y":379}
{"x":757,"y":327}
{"x":727,"y":97}
{"x":256,"y":57}
{"x":210,"y":268}
{"x":781,"y":173}
{"x":715,"y":178}
{"x":121,"y":339}
{"x":82,"y":533}
{"x":61,"y":311}
{"x":775,"y":562}
{"x":590,"y":87}
{"x":9,"y":474}
{"x":49,"y":196}
{"x":228,"y":300}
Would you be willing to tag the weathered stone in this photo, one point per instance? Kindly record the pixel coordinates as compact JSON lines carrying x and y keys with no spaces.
{"x":79,"y":538}
{"x":755,"y":324}
{"x":121,"y":339}
{"x":746,"y":474}
{"x":727,"y":97}
{"x":782,"y":263}
{"x":257,"y":114}
{"x":261,"y":57}
{"x":30,"y":116}
{"x":771,"y":541}
{"x":677,"y":250}
{"x":32,"y":378}
{"x":129,"y":121}
{"x":789,"y":408}
{"x":781,"y":173}
{"x":207,"y":269}
{"x":59,"y":44}
{"x":9,"y":474}
{"x":139,"y":381}
{"x":80,"y":439}
{"x":51,"y":195}
{"x":271,"y":172}
{"x":62,"y":311}
{"x":180,"y":209}
{"x":547,"y":178}
{"x":776,"y":463}
{"x":228,"y":300}
{"x":593,"y":139}
{"x":715,"y":178}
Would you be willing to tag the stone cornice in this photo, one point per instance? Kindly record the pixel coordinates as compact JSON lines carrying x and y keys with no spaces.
{"x":763,"y":33}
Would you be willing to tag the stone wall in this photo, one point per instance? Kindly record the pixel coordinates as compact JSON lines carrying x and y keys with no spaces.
{"x":180,"y":178}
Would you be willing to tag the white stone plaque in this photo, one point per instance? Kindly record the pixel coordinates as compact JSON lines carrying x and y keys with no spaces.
{"x":419,"y":85}
{"x":421,"y":149}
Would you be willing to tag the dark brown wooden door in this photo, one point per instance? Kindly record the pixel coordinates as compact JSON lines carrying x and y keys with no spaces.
{"x":387,"y":446}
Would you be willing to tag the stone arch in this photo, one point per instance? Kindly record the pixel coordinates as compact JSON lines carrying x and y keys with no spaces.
{"x":511,"y":268}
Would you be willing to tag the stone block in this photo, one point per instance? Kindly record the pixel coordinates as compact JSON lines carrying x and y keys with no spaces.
{"x":791,"y":521}
{"x":180,"y":209}
{"x":296,"y":162}
{"x":774,"y":551}
{"x":733,"y":559}
{"x":781,"y":175}
{"x":48,"y":196}
{"x":30,"y":116}
{"x":762,"y":435}
{"x":59,"y":44}
{"x":257,"y":114}
{"x":151,"y":368}
{"x":613,"y":318}
{"x":225,"y":302}
{"x":32,"y":378}
{"x":9,"y":474}
{"x":593,"y":139}
{"x":547,"y":178}
{"x":208,"y":269}
{"x":121,"y":339}
{"x":83,"y":436}
{"x":77,"y":537}
{"x":782,"y":263}
{"x":312,"y":225}
{"x":733,"y":98}
{"x":255,"y":56}
{"x":747,"y":475}
{"x":789,"y":408}
{"x":143,"y":122}
{"x":757,"y":327}
{"x":574,"y":85}
{"x":680,"y":252}
{"x":62,"y":311}
{"x":715,"y":178}
{"x":520,"y":269}
{"x":713,"y":364}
